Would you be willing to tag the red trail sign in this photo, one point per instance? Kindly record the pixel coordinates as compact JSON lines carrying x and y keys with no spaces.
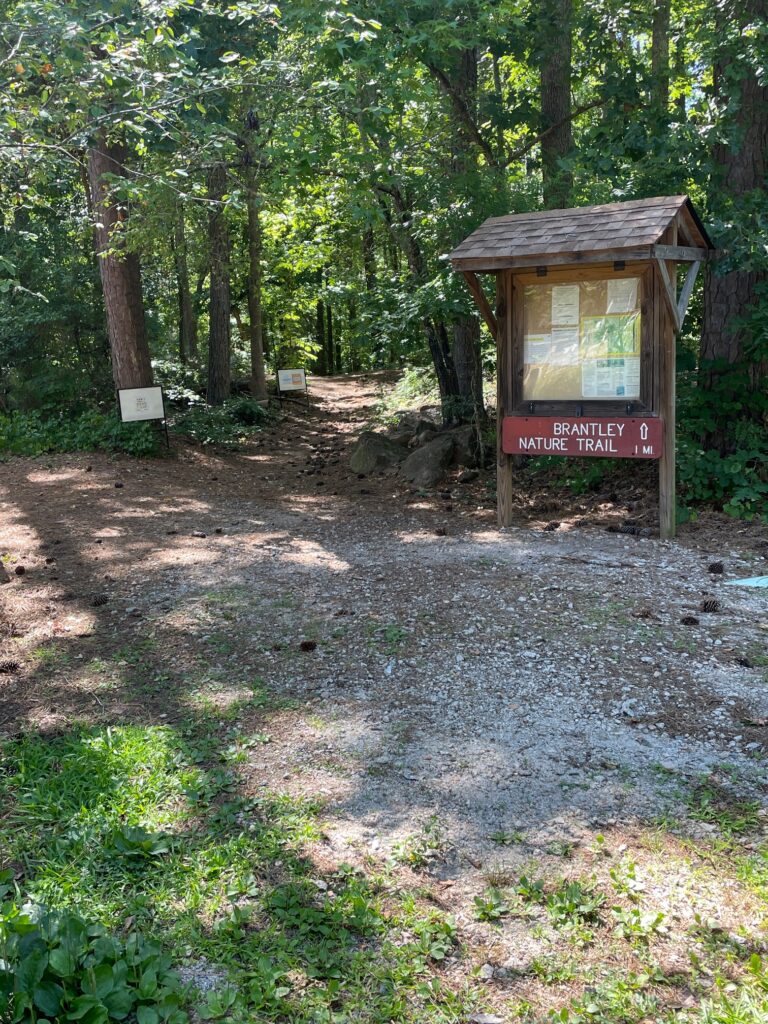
{"x":622,"y":437}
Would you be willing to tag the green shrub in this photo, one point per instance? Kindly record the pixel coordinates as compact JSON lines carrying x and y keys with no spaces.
{"x":734,"y":475}
{"x":54,"y":967}
{"x":228,"y":425}
{"x":32,"y":433}
{"x":182,"y":383}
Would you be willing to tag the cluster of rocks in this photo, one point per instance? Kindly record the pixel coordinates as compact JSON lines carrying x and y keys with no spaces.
{"x":418,"y":448}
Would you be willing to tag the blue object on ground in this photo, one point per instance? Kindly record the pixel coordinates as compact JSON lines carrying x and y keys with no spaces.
{"x":752,"y":581}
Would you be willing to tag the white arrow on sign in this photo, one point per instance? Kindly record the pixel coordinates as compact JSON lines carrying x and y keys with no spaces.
{"x":643,"y":431}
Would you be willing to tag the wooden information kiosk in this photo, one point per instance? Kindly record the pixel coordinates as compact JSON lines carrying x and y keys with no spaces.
{"x":585,"y":321}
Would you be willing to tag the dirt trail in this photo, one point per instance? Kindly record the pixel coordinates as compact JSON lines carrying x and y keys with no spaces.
{"x":476,"y":682}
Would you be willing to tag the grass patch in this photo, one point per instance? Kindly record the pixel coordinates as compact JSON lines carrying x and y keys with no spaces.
{"x":149,"y":826}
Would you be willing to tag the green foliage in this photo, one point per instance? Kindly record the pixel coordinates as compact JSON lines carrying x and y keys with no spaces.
{"x":573,"y":903}
{"x":635,"y":925}
{"x":32,"y":433}
{"x":731,"y":470}
{"x":491,"y":906}
{"x":56,"y":966}
{"x":229,"y":425}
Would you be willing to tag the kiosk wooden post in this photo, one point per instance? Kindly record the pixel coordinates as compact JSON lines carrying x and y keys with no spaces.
{"x":585,"y":320}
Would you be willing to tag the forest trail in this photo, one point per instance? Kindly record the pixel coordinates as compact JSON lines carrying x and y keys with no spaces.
{"x":433,"y":681}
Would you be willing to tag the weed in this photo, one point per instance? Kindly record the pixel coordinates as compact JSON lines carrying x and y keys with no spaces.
{"x":635,"y":926}
{"x":574,"y":904}
{"x":625,"y":881}
{"x":491,"y":906}
{"x":560,"y":848}
{"x":423,"y":848}
{"x":711,"y":803}
{"x":505,"y":837}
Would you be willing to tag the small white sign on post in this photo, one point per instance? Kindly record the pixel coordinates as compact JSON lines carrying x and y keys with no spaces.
{"x":292,"y":380}
{"x":141,"y":404}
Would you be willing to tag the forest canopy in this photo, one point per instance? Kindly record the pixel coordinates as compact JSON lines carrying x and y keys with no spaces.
{"x":196,"y":192}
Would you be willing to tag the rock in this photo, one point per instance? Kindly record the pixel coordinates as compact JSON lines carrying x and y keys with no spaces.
{"x":401,"y":436}
{"x":427,"y":466}
{"x":466,"y":446}
{"x":486,"y":972}
{"x":375,"y":451}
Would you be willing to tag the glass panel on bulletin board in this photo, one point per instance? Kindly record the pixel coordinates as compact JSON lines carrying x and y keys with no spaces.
{"x":582,"y":340}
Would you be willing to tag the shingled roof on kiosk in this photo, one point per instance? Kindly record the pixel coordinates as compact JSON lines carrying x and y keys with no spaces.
{"x":586,"y":234}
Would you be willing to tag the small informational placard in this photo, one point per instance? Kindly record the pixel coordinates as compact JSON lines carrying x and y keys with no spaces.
{"x":292,"y":380}
{"x":565,"y":304}
{"x":141,"y":404}
{"x":621,"y":295}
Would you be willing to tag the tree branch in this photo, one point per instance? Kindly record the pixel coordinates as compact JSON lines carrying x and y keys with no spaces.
{"x":463,"y":112}
{"x":537,"y":138}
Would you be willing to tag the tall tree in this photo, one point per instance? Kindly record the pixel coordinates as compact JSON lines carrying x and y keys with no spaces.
{"x":253,"y":161}
{"x":219,"y":374}
{"x":740,"y":158}
{"x":660,"y":56}
{"x":187,"y":317}
{"x":119,"y":268}
{"x":555,"y":45}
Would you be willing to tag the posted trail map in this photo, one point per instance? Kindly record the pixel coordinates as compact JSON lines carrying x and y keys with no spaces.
{"x":610,"y":356}
{"x":582,"y":340}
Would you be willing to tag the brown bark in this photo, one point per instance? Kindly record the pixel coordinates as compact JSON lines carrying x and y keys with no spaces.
{"x":253,"y":160}
{"x":322,"y":363}
{"x":660,"y":56}
{"x":330,"y":348}
{"x":258,"y":372}
{"x":219,"y":374}
{"x":369,"y":259}
{"x":465,"y":341}
{"x":741,"y":162}
{"x":119,"y":269}
{"x":187,"y":318}
{"x":555,"y":46}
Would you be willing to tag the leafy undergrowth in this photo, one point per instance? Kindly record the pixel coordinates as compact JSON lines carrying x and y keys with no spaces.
{"x":132,"y":850}
{"x":136,"y":871}
{"x":229,"y":425}
{"x":34,"y":433}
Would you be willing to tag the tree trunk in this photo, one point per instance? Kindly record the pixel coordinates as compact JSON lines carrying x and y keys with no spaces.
{"x":120,"y":271}
{"x":352,"y":335}
{"x":322,"y":364}
{"x":187,"y":318}
{"x":555,"y":45}
{"x":681,"y":71}
{"x":330,"y":357}
{"x":434,"y":330}
{"x":219,"y":374}
{"x":465,"y":352}
{"x":465,"y":346}
{"x":258,"y":373}
{"x":741,"y":166}
{"x":660,"y":57}
{"x":253,"y":161}
{"x":369,"y":259}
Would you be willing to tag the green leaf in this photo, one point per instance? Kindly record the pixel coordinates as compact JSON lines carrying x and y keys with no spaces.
{"x":146,"y":1015}
{"x":61,"y":961}
{"x":47,"y":997}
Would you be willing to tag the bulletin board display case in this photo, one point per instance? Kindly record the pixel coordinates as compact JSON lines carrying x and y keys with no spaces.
{"x":582,"y":340}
